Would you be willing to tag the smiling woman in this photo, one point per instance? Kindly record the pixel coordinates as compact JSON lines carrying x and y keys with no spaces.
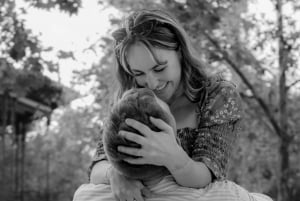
{"x":153,"y":51}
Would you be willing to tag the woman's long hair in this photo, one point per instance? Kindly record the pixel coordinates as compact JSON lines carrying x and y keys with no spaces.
{"x":156,"y":28}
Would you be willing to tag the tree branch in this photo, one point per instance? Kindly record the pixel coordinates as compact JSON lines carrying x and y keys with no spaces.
{"x":245,"y":96}
{"x":293,"y":84}
{"x":260,"y":101}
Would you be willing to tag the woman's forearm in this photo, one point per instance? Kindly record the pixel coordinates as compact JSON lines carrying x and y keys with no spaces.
{"x":190,"y":173}
{"x":194,"y":175}
{"x":99,"y":173}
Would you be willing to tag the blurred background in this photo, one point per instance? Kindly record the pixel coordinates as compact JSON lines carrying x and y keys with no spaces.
{"x":56,"y":83}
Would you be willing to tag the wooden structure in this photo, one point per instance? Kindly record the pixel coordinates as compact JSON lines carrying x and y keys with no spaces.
{"x":16,"y":114}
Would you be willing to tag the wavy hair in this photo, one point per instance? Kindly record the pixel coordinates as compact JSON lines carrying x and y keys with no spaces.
{"x":156,"y":28}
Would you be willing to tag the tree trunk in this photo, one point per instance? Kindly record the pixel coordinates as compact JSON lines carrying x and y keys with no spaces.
{"x":22,"y":159}
{"x":283,"y":190}
{"x":17,"y":140}
{"x":12,"y":120}
{"x":48,"y":176}
{"x":2,"y":135}
{"x":283,"y":118}
{"x":17,"y":172}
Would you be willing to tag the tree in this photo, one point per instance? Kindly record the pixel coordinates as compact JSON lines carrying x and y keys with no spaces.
{"x":286,"y":66}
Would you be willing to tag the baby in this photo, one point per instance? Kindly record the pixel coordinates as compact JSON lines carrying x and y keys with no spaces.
{"x":138,"y":104}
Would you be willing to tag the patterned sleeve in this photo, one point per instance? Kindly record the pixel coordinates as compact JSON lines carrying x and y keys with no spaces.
{"x":220,"y":121}
{"x":98,"y":156}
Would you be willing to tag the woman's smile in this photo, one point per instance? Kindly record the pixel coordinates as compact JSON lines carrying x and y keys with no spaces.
{"x":160,"y":88}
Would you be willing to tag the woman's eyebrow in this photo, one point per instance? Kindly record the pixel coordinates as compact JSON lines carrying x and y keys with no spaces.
{"x":160,"y":64}
{"x":155,"y":66}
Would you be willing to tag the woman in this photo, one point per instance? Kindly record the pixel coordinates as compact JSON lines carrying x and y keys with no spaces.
{"x":152,"y":51}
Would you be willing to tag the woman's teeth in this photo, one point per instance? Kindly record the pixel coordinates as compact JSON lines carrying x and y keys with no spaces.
{"x":161,"y":87}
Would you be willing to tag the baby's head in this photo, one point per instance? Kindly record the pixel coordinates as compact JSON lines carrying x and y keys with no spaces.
{"x":138,"y":104}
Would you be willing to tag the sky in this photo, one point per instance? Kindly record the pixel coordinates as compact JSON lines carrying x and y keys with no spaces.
{"x":69,"y":33}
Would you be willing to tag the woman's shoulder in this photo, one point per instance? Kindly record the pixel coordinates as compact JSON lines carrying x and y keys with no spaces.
{"x":217,"y":84}
{"x":222,"y":103}
{"x":217,"y":87}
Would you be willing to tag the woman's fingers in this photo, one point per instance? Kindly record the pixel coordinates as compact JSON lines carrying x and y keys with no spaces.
{"x":132,"y":137}
{"x":130,"y":151}
{"x":136,"y":161}
{"x":142,"y":128}
{"x":162,"y":125}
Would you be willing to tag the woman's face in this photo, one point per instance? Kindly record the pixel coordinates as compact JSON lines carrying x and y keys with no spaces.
{"x":162,"y":77}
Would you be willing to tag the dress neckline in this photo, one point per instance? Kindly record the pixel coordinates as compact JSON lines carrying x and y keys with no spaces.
{"x":186,"y":129}
{"x":198,"y":119}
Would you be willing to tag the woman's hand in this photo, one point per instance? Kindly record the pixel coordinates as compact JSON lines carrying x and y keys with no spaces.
{"x":125,"y":189}
{"x":157,"y":148}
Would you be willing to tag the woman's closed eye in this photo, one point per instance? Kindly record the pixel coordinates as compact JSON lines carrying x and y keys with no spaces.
{"x":159,"y":69}
{"x":136,"y":74}
{"x":156,"y":69}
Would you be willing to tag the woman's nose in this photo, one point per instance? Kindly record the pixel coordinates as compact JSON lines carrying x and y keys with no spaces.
{"x":152,"y":82}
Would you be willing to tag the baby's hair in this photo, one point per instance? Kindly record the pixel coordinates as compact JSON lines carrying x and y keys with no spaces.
{"x":138,"y":104}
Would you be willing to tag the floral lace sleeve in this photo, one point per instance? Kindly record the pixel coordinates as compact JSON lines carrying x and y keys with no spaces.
{"x":98,"y":156}
{"x":219,"y":123}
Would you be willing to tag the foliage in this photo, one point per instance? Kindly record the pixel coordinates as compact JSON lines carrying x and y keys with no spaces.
{"x":30,"y":84}
{"x":21,"y":64}
{"x":69,"y":6}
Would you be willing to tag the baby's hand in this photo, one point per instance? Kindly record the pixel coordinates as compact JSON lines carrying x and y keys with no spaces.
{"x":125,"y":189}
